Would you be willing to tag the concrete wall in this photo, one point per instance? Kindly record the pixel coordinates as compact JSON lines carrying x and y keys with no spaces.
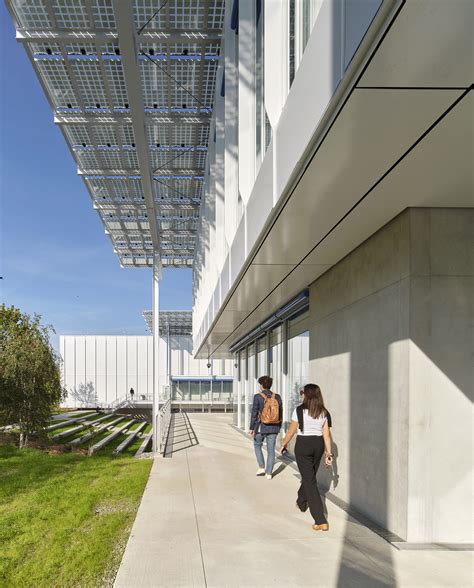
{"x":102,"y":369}
{"x":391,"y":347}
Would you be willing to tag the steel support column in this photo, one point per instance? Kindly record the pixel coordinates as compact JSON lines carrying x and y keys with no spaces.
{"x":156,"y":342}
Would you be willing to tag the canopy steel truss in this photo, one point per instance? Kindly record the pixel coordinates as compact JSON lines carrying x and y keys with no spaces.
{"x":134,"y":107}
{"x":172,"y":322}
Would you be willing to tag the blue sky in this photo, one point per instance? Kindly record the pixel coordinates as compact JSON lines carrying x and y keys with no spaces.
{"x":54,"y":256}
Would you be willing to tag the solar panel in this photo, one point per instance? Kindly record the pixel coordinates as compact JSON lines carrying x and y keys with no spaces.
{"x":78,"y":55}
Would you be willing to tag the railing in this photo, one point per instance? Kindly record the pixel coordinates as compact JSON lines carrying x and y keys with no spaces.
{"x":118,"y":403}
{"x":164,"y":418}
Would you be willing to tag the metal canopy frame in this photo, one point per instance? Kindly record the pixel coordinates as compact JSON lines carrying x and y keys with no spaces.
{"x":172,"y":322}
{"x":135,"y":110}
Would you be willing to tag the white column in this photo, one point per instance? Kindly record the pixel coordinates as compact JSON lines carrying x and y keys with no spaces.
{"x":246,"y":126}
{"x":231,"y":180}
{"x":156,"y":342}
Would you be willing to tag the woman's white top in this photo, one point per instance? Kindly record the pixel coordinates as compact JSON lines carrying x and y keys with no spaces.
{"x":310,"y":426}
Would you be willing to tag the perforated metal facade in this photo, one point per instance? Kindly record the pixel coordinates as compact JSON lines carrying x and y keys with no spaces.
{"x":131,"y":85}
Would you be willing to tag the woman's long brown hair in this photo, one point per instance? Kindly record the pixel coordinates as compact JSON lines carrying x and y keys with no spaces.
{"x":313,"y":401}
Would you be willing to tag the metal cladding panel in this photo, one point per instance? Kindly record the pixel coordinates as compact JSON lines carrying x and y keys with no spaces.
{"x":141,"y":387}
{"x":121,"y":356}
{"x":162,"y":361}
{"x":111,"y":383}
{"x":142,"y":356}
{"x":80,"y":352}
{"x":90,"y":358}
{"x":150,"y":363}
{"x":132,"y":349}
{"x":69,"y":357}
{"x":100,"y":358}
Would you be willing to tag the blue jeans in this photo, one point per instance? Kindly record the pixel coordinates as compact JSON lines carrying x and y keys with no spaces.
{"x":271,"y":442}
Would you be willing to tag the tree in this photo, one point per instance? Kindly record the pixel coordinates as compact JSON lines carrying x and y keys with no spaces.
{"x":85,"y":394}
{"x":30,"y":380}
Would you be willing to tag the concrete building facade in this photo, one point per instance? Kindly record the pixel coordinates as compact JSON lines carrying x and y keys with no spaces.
{"x":336,"y":240}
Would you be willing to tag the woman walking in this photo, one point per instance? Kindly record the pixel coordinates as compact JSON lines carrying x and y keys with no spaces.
{"x":312,"y":421}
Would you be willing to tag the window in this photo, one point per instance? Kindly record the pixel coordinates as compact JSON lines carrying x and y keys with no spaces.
{"x":251,"y":381}
{"x":276,"y":370}
{"x":291,"y":44}
{"x":226,"y":391}
{"x":298,"y":371}
{"x":195,"y":391}
{"x":243,"y":373}
{"x":302,"y":16}
{"x":206,"y":390}
{"x":262,"y":367}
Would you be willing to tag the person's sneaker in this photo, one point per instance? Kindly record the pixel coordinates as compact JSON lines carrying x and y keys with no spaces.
{"x":260,"y":471}
{"x":323,"y":527}
{"x":268,"y":476}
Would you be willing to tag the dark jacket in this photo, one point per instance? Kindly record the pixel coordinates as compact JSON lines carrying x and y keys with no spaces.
{"x":255,"y":424}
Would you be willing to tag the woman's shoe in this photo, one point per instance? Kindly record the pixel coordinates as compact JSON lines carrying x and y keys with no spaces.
{"x":323,"y":527}
{"x":302,"y":506}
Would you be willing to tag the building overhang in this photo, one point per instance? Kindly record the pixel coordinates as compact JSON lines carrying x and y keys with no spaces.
{"x":400,"y":136}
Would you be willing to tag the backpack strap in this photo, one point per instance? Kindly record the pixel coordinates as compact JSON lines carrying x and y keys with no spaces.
{"x":299,"y":414}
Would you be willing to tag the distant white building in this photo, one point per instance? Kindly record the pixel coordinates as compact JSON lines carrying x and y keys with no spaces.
{"x":101,"y":370}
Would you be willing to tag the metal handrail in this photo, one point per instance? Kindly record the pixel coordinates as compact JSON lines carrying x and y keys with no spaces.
{"x":164,"y":417}
{"x":118,"y":403}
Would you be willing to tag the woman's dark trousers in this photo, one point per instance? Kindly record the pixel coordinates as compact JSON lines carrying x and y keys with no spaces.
{"x":308,"y":452}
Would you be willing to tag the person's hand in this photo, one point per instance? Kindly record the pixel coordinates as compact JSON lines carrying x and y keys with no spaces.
{"x":252,"y":433}
{"x":283,"y":449}
{"x":328,"y":460}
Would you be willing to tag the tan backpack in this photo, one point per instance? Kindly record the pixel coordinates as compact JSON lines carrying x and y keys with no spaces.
{"x":270,"y":413}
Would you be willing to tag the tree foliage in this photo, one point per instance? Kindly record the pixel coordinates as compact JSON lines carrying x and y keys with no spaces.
{"x":30,"y":380}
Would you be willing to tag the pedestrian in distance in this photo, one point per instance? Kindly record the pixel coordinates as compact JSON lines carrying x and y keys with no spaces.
{"x":265,"y":424}
{"x":311,"y":421}
{"x":132,"y":392}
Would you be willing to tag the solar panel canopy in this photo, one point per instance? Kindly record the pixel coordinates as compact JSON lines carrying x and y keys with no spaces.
{"x":172,"y":322}
{"x":131,"y":84}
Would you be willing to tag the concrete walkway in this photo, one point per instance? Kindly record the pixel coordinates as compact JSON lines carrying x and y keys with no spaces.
{"x":207,"y":520}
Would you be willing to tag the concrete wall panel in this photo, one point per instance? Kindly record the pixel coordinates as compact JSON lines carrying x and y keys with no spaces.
{"x":391,"y":347}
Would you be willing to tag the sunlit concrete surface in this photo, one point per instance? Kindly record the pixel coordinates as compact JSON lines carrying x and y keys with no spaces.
{"x":207,"y":520}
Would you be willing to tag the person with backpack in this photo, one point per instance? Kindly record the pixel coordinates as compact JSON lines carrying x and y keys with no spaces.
{"x":265,"y":424}
{"x":311,"y":420}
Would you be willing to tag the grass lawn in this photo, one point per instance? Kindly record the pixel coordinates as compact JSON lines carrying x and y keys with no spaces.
{"x":65,"y":519}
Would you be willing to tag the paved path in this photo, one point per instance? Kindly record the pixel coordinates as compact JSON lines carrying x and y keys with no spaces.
{"x":207,"y":520}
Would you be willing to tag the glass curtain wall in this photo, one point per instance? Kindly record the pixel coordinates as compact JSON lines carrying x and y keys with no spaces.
{"x":235,"y":392}
{"x":195,"y":391}
{"x":298,"y":370}
{"x":227,"y":391}
{"x":301,"y":18}
{"x":243,"y":373}
{"x":261,"y":357}
{"x":263,"y":129}
{"x":253,"y":364}
{"x":276,"y":370}
{"x":206,"y":390}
